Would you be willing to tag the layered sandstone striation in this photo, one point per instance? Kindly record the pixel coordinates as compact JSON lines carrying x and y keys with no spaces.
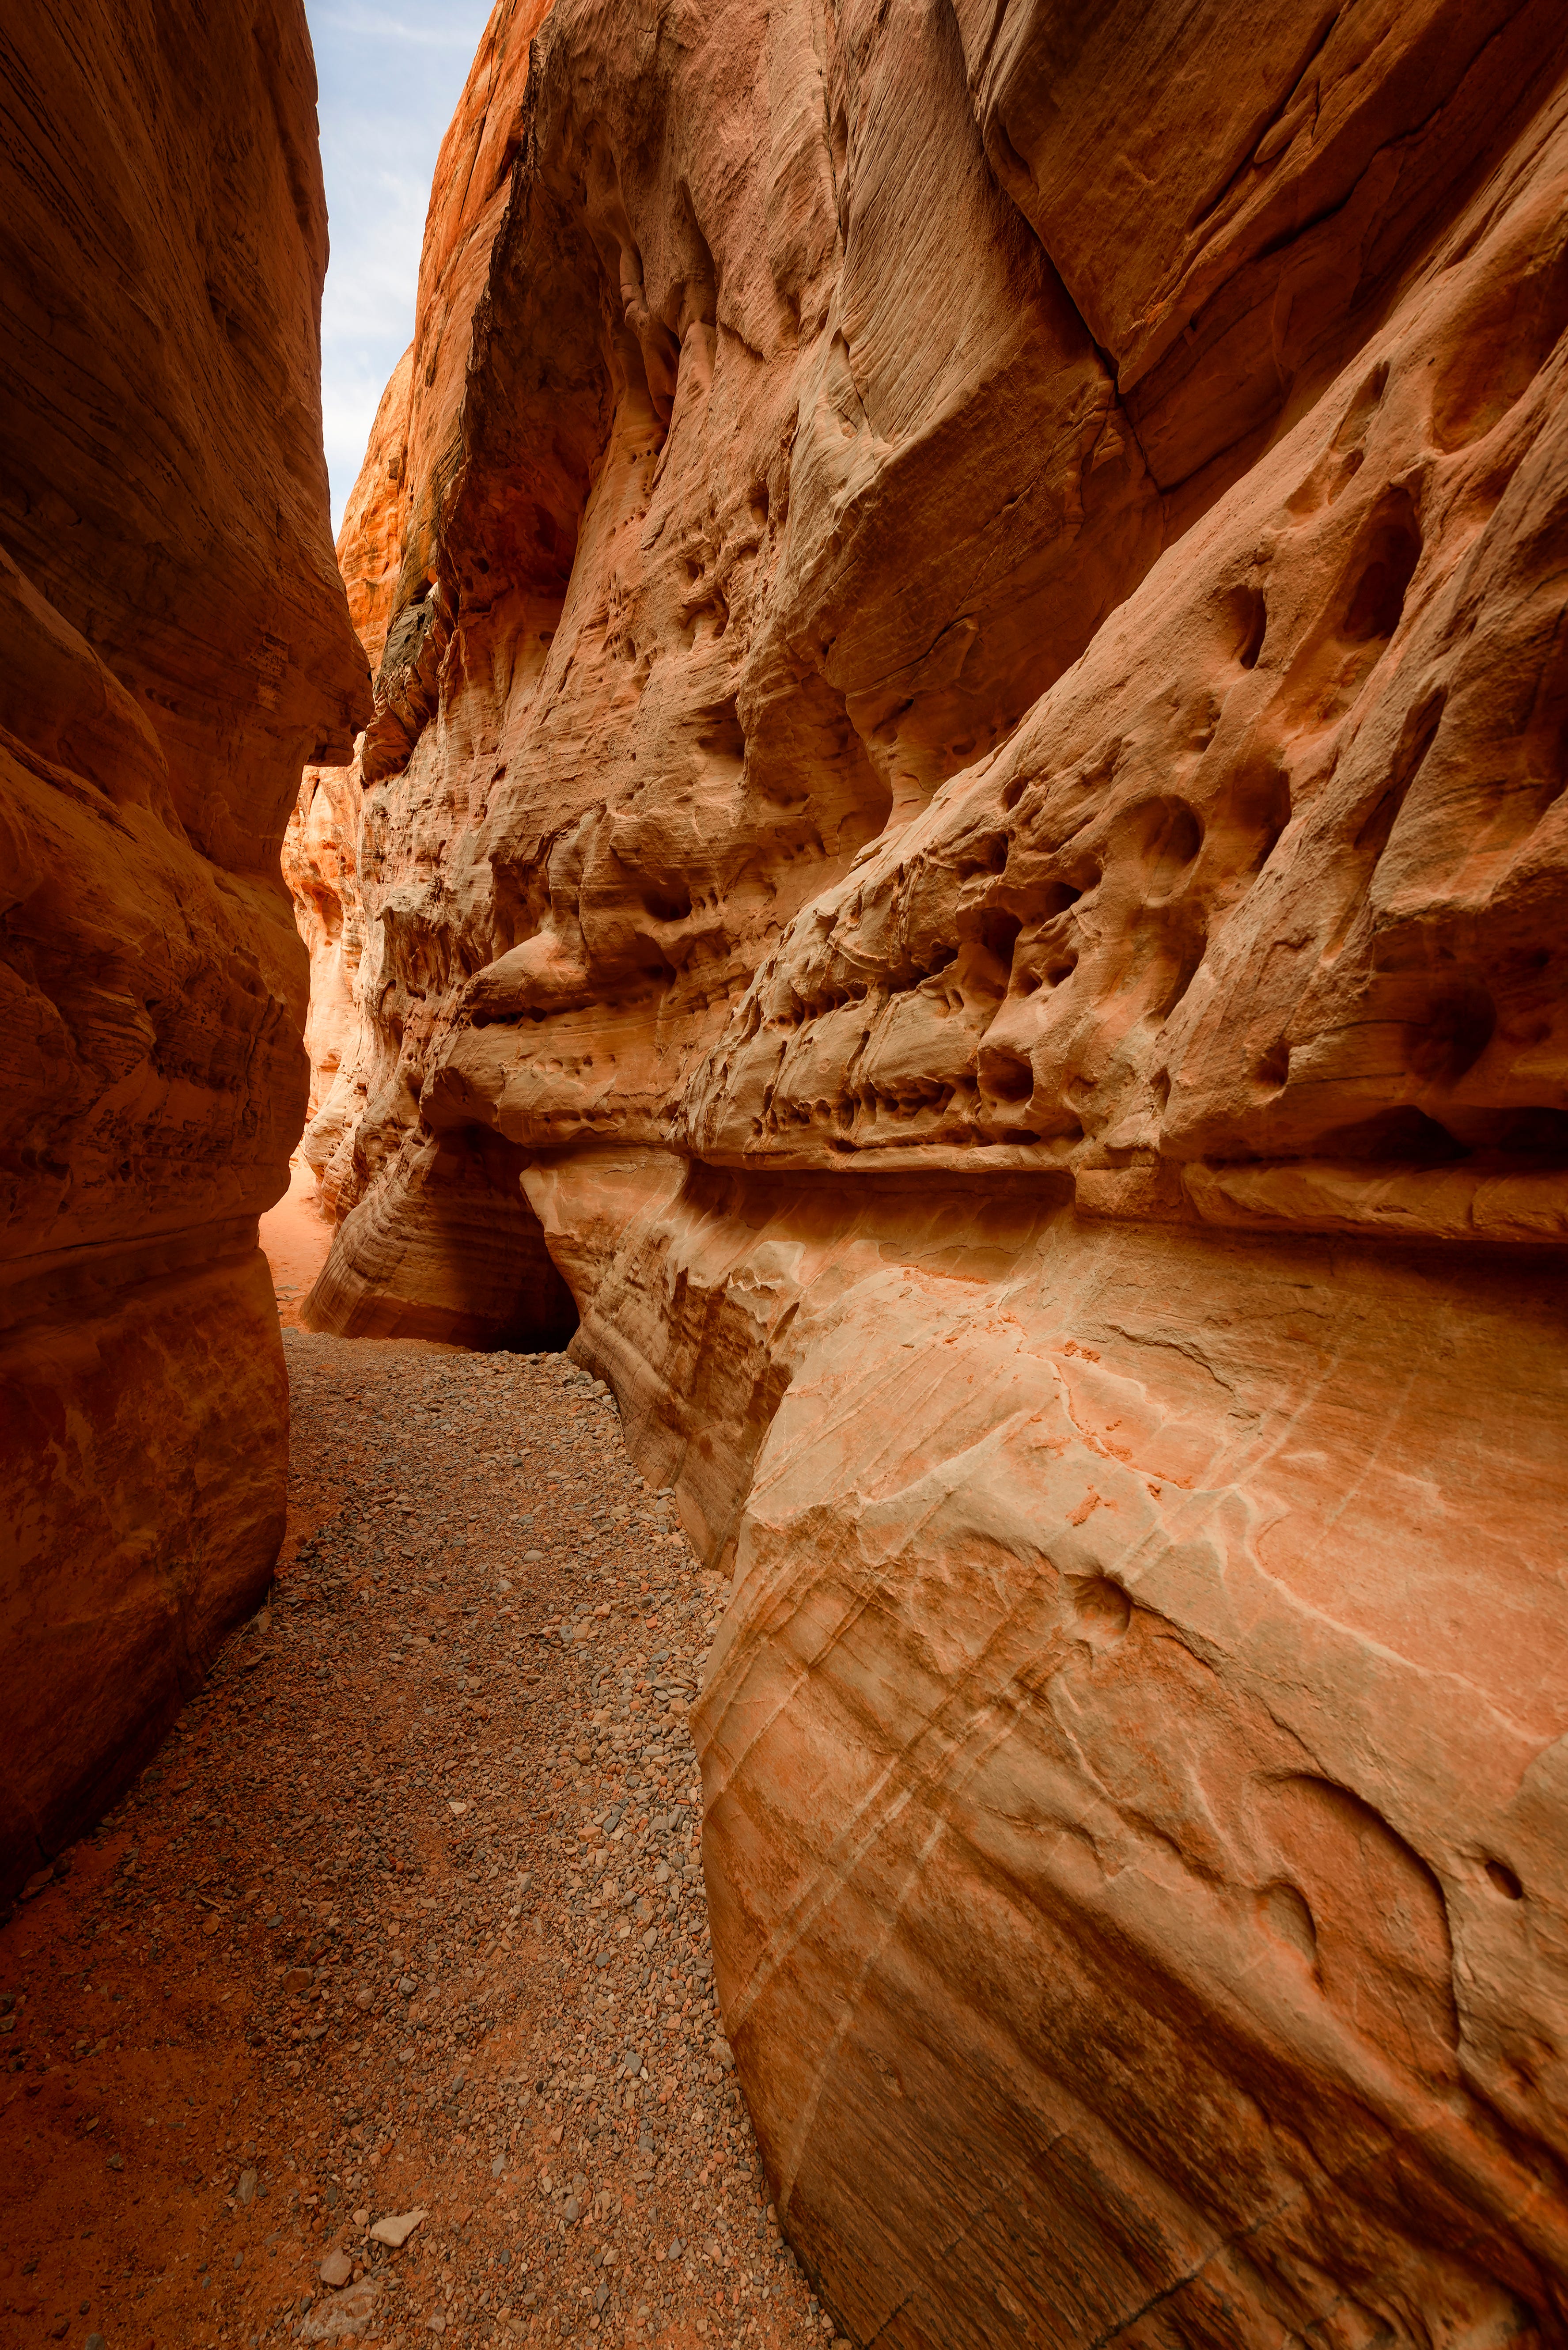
{"x":177,"y":646}
{"x":966,"y":818}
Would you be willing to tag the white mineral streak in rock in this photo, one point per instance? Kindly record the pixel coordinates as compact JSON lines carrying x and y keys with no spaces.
{"x":965,"y":831}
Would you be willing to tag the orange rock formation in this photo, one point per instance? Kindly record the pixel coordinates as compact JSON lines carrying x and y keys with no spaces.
{"x":177,"y":645}
{"x":966,"y":816}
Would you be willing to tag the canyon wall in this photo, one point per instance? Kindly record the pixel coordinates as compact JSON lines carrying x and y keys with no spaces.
{"x":178,"y":646}
{"x":966,"y":819}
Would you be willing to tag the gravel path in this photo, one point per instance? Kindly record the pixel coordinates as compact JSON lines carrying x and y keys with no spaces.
{"x":405,"y":1917}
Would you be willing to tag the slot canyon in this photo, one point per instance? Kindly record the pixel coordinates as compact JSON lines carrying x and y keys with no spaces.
{"x":920,"y":843}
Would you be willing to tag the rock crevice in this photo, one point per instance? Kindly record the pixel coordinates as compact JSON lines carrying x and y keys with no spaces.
{"x":964,"y":825}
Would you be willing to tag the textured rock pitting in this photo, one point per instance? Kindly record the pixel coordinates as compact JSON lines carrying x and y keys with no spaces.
{"x":967,"y":792}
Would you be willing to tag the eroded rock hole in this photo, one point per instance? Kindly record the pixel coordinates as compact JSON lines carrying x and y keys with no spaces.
{"x":1289,"y":1919}
{"x":1102,"y":1609}
{"x":1250,"y":615}
{"x":998,"y":934}
{"x":1004,"y":1075}
{"x":1364,"y":407}
{"x":1539,"y":1133}
{"x":1387,"y":568}
{"x":1262,"y":806}
{"x":1169,"y":835}
{"x":666,"y":903}
{"x":1455,"y":1034}
{"x":722,"y":738}
{"x":1406,"y":1135}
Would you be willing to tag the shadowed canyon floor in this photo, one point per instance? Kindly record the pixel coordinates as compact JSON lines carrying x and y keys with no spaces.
{"x":407,"y":1915}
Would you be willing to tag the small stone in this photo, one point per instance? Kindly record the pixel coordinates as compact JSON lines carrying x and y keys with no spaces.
{"x":435,"y":2322}
{"x":336,"y":2269}
{"x":344,"y":2316}
{"x":361,"y":2217}
{"x":408,"y":1986}
{"x":364,"y":1997}
{"x":395,"y":2229}
{"x":247,"y":2188}
{"x":457,"y":1810}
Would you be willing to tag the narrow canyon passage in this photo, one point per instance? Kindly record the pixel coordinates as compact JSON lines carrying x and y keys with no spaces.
{"x":922,"y":811}
{"x":407,"y":1916}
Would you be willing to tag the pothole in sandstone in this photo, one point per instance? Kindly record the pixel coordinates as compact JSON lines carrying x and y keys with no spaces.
{"x":407,"y":1916}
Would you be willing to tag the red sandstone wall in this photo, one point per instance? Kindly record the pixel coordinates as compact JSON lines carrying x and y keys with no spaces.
{"x":177,"y":647}
{"x":967,"y":791}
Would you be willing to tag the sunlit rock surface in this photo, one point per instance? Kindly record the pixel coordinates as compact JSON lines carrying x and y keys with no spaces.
{"x":177,"y":646}
{"x":967,"y":791}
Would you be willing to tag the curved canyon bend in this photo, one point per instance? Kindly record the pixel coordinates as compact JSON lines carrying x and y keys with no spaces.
{"x":895,"y":934}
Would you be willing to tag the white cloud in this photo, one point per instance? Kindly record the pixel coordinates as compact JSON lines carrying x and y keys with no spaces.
{"x":390,"y":82}
{"x":386,"y":25}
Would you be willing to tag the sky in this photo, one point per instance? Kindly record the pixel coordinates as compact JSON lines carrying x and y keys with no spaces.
{"x":390,"y":73}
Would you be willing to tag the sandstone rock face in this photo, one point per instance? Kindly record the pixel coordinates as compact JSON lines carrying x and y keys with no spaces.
{"x":177,"y":647}
{"x":969,"y":789}
{"x":319,"y":866}
{"x":320,"y":847}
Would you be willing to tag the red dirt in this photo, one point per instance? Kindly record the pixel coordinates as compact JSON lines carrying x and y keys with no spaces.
{"x":368,"y":1936}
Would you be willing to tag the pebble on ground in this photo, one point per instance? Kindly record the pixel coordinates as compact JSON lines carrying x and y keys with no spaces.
{"x":406,"y":1916}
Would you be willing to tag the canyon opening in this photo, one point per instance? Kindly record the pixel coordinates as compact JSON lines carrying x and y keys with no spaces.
{"x":783,"y":1400}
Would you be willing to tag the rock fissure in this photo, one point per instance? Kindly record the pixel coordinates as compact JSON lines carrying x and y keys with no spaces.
{"x":961,"y":598}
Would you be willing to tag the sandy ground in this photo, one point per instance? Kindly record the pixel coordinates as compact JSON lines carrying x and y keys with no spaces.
{"x":295,"y":1237}
{"x":407,"y":1918}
